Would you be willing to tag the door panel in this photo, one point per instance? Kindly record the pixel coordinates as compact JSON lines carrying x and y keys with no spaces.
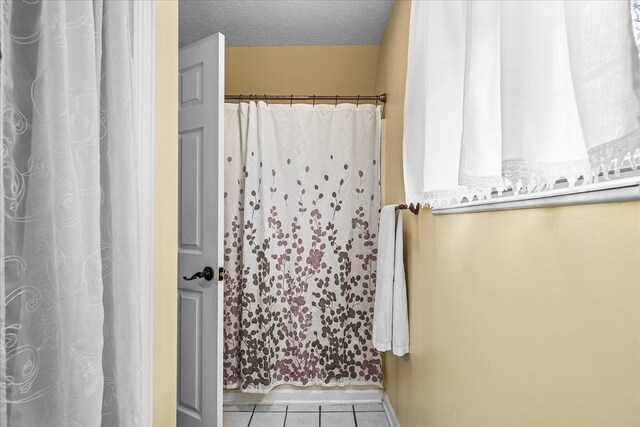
{"x":190,"y":391}
{"x":200,"y":154}
{"x":191,"y":190}
{"x":191,"y":85}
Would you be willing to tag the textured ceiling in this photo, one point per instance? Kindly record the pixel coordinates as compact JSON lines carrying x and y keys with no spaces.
{"x":285,"y":22}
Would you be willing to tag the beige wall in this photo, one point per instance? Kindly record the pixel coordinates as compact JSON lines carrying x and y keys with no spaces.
{"x":301,"y":70}
{"x":165,"y":216}
{"x":518,"y":318}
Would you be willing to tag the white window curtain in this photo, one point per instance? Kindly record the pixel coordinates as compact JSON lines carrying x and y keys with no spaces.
{"x":518,"y":94}
{"x":70,"y":312}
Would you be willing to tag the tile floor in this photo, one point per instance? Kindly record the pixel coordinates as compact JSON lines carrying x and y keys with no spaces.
{"x":363,"y":415}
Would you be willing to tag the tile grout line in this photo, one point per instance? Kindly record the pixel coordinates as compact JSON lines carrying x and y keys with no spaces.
{"x":355,"y":419}
{"x":252,"y":412}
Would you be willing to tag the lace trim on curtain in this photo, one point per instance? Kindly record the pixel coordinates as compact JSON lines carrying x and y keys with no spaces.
{"x":481,"y":182}
{"x":441,"y":198}
{"x":518,"y":175}
{"x":523,"y":175}
{"x":616,"y":154}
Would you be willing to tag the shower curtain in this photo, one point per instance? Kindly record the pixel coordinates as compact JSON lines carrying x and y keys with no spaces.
{"x":302,"y":200}
{"x":70,"y":318}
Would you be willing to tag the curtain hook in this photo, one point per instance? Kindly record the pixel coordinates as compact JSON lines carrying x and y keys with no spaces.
{"x":291,"y":101}
{"x":240,"y":100}
{"x":265,"y":99}
{"x":377,"y":100}
{"x":358,"y":101}
{"x":314,"y":100}
{"x":336,"y":104}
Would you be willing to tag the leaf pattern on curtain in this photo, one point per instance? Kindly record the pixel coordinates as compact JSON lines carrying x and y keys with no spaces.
{"x":301,"y":219}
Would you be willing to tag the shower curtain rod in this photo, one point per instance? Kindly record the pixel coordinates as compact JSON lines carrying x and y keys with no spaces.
{"x":254,"y":97}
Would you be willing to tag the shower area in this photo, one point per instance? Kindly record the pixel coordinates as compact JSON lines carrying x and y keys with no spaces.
{"x":292,"y":214}
{"x":301,"y":209}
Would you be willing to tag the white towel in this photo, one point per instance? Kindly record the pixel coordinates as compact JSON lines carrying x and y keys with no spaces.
{"x":390,"y":319}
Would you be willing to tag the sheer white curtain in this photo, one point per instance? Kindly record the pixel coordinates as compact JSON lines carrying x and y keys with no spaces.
{"x":71,"y":291}
{"x":518,"y":94}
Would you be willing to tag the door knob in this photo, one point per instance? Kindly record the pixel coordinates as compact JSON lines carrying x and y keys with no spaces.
{"x":206,"y":274}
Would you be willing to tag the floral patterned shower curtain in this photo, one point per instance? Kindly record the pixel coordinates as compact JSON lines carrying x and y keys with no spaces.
{"x":302,"y":200}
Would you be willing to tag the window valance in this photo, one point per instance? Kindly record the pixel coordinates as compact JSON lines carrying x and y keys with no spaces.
{"x":518,"y":94}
